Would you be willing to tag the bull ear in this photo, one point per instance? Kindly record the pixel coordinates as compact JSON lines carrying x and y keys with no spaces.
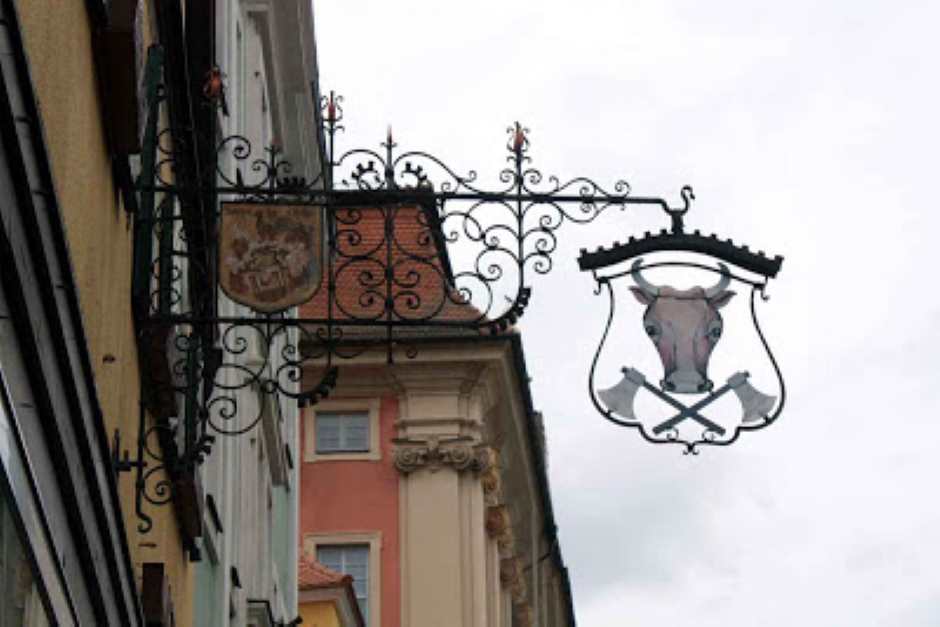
{"x":721,"y":299}
{"x":642,"y":295}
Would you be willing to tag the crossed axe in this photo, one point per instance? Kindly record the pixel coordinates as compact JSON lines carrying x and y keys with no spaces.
{"x":619,"y":400}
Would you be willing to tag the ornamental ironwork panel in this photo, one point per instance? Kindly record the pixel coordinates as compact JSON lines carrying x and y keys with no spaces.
{"x":253,"y":274}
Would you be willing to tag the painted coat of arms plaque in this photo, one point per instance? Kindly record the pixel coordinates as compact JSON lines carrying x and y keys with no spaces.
{"x":270,"y":256}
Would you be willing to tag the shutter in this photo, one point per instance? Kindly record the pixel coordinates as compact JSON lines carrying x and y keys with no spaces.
{"x":327,"y":433}
{"x":356,"y":432}
{"x":155,"y":599}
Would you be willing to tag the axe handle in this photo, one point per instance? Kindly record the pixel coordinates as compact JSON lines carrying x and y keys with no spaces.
{"x":688,"y":412}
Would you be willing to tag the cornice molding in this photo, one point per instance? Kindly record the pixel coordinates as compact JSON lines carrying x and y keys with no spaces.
{"x":464,"y":424}
{"x":450,"y":378}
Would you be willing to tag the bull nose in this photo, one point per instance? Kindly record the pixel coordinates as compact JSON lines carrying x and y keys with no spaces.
{"x":683,"y":382}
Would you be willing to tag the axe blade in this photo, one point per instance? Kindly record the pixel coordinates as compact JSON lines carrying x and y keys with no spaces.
{"x":619,"y":399}
{"x":754,"y":403}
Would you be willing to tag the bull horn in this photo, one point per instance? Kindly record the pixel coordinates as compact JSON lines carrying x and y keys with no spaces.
{"x":644,"y":285}
{"x":722,"y":284}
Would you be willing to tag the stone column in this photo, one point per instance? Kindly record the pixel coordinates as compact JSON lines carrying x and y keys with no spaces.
{"x":441,"y":457}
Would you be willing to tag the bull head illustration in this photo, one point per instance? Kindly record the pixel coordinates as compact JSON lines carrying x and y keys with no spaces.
{"x":684,"y":326}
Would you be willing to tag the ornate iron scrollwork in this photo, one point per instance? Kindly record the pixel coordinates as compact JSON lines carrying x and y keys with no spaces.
{"x":391,"y":219}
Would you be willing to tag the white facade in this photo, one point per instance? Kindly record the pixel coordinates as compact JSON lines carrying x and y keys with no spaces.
{"x":265,"y":50}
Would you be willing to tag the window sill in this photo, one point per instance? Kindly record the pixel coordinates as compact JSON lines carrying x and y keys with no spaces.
{"x":371,"y":456}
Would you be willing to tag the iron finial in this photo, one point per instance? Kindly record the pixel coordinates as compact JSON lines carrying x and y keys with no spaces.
{"x":518,"y":139}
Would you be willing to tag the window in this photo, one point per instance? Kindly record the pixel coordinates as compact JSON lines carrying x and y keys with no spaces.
{"x":358,"y":554}
{"x":342,"y":430}
{"x":353,"y":560}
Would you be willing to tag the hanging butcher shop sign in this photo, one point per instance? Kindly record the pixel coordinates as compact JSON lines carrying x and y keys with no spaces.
{"x":683,"y":327}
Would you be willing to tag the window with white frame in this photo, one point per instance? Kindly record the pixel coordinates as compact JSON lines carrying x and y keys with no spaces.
{"x":358,"y":554}
{"x":353,"y":560}
{"x":342,"y":432}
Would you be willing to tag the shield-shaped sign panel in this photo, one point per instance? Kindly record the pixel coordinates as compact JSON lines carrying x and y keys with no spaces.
{"x":270,"y":256}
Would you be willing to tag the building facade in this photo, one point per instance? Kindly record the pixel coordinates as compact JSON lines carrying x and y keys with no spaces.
{"x":326,"y":598}
{"x":68,"y":353}
{"x":249,"y":569}
{"x":425,"y":479}
{"x":90,"y":88}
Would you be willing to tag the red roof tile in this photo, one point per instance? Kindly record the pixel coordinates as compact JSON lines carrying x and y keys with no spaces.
{"x":419,"y":272}
{"x":312,"y":575}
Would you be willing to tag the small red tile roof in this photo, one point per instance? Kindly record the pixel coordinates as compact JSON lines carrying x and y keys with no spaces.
{"x":312,"y":575}
{"x":416,"y":253}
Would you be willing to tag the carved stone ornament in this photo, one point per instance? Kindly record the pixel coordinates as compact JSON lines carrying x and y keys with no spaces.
{"x":511,"y":576}
{"x":491,"y":480}
{"x":435,"y":453}
{"x":499,"y":527}
{"x":524,"y":615}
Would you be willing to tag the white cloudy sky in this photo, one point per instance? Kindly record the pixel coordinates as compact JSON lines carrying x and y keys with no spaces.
{"x":807,"y":128}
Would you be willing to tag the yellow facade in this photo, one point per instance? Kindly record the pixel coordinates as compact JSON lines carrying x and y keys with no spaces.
{"x":319,"y":614}
{"x":58,"y":41}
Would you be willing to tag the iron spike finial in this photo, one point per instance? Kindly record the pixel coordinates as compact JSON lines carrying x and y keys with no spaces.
{"x":331,"y":108}
{"x":518,"y":140}
{"x":389,"y":161}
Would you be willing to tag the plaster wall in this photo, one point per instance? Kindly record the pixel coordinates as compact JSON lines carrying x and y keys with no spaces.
{"x":57,"y":36}
{"x":359,"y":496}
{"x":320,"y":614}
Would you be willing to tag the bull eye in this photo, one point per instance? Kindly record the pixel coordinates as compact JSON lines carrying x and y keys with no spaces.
{"x":652,"y":331}
{"x":714,"y":333}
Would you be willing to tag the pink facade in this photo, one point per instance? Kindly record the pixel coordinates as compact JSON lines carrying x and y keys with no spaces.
{"x":358,"y":497}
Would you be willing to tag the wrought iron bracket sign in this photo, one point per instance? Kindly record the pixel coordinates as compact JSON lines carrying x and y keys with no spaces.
{"x":252,"y":274}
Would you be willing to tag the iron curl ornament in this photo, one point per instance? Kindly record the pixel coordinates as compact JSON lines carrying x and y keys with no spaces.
{"x":254,"y":273}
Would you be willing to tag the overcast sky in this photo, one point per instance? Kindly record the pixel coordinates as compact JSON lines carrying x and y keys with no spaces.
{"x":808,"y":129}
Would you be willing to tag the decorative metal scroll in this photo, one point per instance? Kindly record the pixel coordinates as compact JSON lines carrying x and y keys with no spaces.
{"x":387,"y":276}
{"x":251,"y":274}
{"x":684,"y":327}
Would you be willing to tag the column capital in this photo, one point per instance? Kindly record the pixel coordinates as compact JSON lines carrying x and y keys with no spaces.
{"x":435,"y":453}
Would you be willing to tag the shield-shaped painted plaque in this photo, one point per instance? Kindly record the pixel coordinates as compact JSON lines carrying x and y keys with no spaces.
{"x":270,"y":256}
